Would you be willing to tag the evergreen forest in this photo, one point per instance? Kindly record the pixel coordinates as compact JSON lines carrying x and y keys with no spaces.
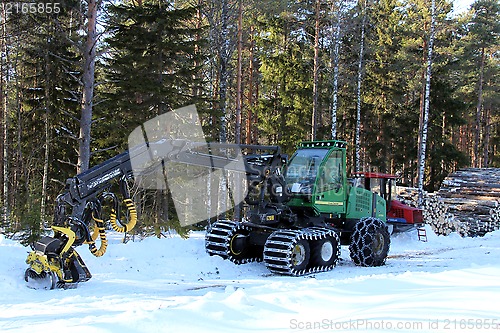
{"x":396,"y":79}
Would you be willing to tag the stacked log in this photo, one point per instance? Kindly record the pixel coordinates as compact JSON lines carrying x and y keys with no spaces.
{"x":435,"y":211}
{"x":407,"y":195}
{"x":472,"y":195}
{"x":495,"y":214}
{"x":470,"y":214}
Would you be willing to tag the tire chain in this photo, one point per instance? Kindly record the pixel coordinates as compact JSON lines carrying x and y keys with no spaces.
{"x":218,"y":238}
{"x":283,"y":241}
{"x":359,"y":243}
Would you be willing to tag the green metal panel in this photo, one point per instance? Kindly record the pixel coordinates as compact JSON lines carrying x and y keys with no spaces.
{"x":380,"y":208}
{"x":362,"y":203}
{"x":299,"y":202}
{"x":359,"y":203}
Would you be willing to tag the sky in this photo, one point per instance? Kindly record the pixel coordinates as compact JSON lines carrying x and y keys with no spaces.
{"x":461,"y":5}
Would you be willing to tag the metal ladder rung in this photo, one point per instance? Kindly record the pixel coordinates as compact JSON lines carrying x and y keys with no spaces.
{"x":422,"y":234}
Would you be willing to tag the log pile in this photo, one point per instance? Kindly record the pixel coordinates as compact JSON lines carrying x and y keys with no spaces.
{"x":436,"y":214}
{"x":495,"y":214}
{"x":467,"y":203}
{"x":472,"y":196}
{"x":407,"y":195}
{"x":435,"y":211}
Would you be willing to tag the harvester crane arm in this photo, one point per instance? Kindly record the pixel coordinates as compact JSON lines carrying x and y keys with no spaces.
{"x":54,"y":259}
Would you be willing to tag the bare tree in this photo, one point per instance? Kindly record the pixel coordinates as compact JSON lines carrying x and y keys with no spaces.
{"x":5,"y":117}
{"x":239,"y":74}
{"x":224,"y":59}
{"x":358,"y":89}
{"x":425,"y":116}
{"x":88,"y":80}
{"x":46,"y":161}
{"x":315,"y":111}
{"x":479,"y":108}
{"x":218,"y":14}
{"x":336,"y":17}
{"x":239,"y":96}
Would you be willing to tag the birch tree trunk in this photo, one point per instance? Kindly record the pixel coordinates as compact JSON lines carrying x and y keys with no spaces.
{"x":425,"y":117}
{"x":239,"y":93}
{"x":224,"y":58}
{"x":223,"y":69}
{"x":5,"y":124}
{"x":335,"y":57}
{"x":249,"y":120}
{"x":358,"y":90}
{"x":314,"y":120}
{"x":46,"y":154}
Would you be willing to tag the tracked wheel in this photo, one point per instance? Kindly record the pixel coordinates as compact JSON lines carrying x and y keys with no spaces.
{"x":300,"y":255}
{"x":299,"y":252}
{"x":370,"y":242}
{"x":326,"y":252}
{"x":229,"y":240}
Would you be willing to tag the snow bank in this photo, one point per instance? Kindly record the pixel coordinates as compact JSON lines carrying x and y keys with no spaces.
{"x":172,"y":285}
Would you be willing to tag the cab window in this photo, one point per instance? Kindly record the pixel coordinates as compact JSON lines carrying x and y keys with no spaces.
{"x":332,"y":173}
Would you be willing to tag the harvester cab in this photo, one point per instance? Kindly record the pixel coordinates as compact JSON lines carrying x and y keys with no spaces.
{"x":316,"y":177}
{"x":400,"y":217}
{"x":317,"y":180}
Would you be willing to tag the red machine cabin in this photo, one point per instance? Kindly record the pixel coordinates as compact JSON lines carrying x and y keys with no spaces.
{"x":400,"y":215}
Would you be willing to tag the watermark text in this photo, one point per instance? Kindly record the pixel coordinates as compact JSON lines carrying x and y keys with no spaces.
{"x":388,"y":325}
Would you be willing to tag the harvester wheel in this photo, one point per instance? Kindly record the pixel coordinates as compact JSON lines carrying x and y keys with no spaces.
{"x":370,"y":241}
{"x":230,"y":240}
{"x":300,"y":255}
{"x":325,"y":252}
{"x":238,"y":246}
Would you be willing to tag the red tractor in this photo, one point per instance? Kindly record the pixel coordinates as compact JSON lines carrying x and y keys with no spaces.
{"x":399,"y":215}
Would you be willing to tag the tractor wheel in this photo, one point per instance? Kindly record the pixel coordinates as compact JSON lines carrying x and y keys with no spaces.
{"x":370,"y":241}
{"x":325,"y":252}
{"x":300,"y":255}
{"x":238,"y":246}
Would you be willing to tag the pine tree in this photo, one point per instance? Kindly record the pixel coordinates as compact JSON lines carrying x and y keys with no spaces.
{"x":43,"y":86}
{"x":152,"y":68}
{"x":285,"y":101}
{"x":383,"y":91}
{"x":51,"y":88}
{"x":483,"y":36}
{"x":151,"y":61}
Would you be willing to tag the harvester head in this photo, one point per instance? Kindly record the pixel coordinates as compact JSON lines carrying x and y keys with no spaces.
{"x":54,"y":263}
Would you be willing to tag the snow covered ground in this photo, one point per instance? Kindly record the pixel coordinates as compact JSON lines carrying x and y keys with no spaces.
{"x":448,"y":284}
